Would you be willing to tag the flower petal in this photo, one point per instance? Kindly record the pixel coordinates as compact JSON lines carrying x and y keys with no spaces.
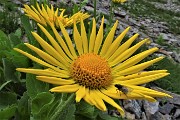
{"x":92,"y":37}
{"x":145,"y":79}
{"x":47,"y":72}
{"x":123,"y":47}
{"x":139,"y":67}
{"x":87,"y":97}
{"x":49,"y":48}
{"x":61,"y":42}
{"x":37,"y":60}
{"x":116,"y":43}
{"x":135,"y":59}
{"x":99,"y":38}
{"x":78,"y":40}
{"x":99,"y":102}
{"x":127,"y":53}
{"x":110,"y":101}
{"x":66,"y":88}
{"x":45,"y":56}
{"x":68,"y":39}
{"x":80,"y":93}
{"x":108,"y":40}
{"x":84,"y":37}
{"x":55,"y":80}
{"x":138,"y":75}
{"x":55,"y":44}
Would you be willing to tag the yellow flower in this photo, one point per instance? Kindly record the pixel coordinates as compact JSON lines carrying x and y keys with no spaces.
{"x":47,"y":15}
{"x":94,"y":70}
{"x":119,"y":1}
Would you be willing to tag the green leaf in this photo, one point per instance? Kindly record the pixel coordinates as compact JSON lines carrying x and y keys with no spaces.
{"x":15,"y":40}
{"x":9,"y":70}
{"x":8,"y":112}
{"x":86,"y":110}
{"x":19,"y":60}
{"x":105,"y":116}
{"x":28,"y":28}
{"x":7,"y":99}
{"x":35,"y":86}
{"x":23,"y":112}
{"x":4,"y":41}
{"x":4,"y":84}
{"x":18,"y":33}
{"x":40,"y":104}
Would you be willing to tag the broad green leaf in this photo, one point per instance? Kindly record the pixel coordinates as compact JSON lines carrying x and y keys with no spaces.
{"x":18,"y":33}
{"x":86,"y":110}
{"x":4,"y":84}
{"x":23,"y":112}
{"x":4,"y":41}
{"x":34,"y":86}
{"x":105,"y":116}
{"x":7,"y":99}
{"x":9,"y":70}
{"x":28,"y":28}
{"x":8,"y":112}
{"x":41,"y":103}
{"x":15,"y":40}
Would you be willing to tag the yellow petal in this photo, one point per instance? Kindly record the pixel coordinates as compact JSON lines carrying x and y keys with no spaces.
{"x":99,"y":102}
{"x":54,"y":80}
{"x":92,"y":37}
{"x":49,"y":48}
{"x":87,"y":97}
{"x":108,"y":40}
{"x":80,"y":93}
{"x":37,"y":60}
{"x":61,"y":42}
{"x":116,"y":43}
{"x":45,"y":56}
{"x":66,"y":88}
{"x":127,"y":53}
{"x":145,"y":79}
{"x":55,"y":45}
{"x":135,"y":59}
{"x":110,"y":101}
{"x":47,"y":72}
{"x":78,"y":40}
{"x":99,"y":37}
{"x":68,"y":39}
{"x":138,"y":75}
{"x":139,"y":67}
{"x":84,"y":37}
{"x":123,"y":47}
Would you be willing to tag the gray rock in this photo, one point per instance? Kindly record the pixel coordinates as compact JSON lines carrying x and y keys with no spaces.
{"x":143,"y":116}
{"x":130,"y":116}
{"x":156,"y":116}
{"x":177,"y":113}
{"x":133,"y":107}
{"x":164,"y":36}
{"x":150,"y":108}
{"x":166,"y":109}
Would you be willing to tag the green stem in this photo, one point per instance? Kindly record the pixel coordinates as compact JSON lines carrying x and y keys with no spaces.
{"x":61,"y":106}
{"x":95,"y":9}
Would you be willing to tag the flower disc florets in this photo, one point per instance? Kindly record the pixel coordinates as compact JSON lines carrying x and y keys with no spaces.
{"x":91,"y":71}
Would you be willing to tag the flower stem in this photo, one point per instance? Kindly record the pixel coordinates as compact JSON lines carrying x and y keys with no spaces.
{"x":62,"y":106}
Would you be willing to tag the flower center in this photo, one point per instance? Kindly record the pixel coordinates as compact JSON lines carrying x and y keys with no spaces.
{"x":92,"y":71}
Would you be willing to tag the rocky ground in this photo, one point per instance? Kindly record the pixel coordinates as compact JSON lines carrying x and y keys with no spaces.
{"x":163,"y":109}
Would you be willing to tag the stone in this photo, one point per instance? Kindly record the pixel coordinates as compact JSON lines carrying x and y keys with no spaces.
{"x":176,"y":114}
{"x":133,"y":107}
{"x":156,"y":116}
{"x":150,"y":108}
{"x":130,"y":116}
{"x":166,"y":109}
{"x":164,"y":36}
{"x":143,"y":116}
